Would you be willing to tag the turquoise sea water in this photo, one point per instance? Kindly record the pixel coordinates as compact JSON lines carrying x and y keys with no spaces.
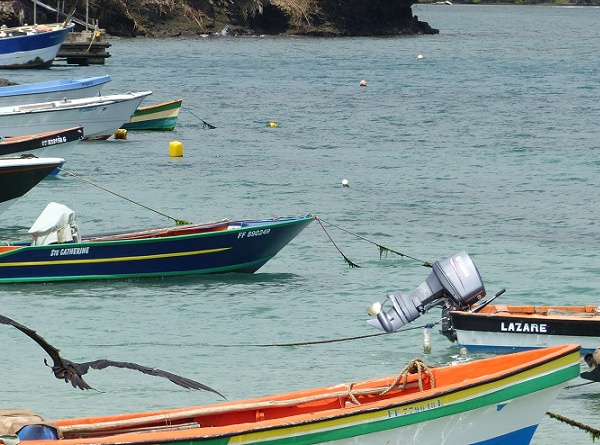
{"x":488,"y":144}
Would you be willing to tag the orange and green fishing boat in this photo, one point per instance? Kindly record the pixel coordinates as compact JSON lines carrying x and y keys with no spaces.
{"x":491,"y":401}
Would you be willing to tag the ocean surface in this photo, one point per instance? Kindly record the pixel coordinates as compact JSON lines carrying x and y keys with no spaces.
{"x":488,"y":143}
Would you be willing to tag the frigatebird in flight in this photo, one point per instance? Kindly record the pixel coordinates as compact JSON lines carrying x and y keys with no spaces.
{"x":72,"y":372}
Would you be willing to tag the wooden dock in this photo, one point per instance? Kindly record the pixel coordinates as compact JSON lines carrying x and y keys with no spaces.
{"x":84,"y":48}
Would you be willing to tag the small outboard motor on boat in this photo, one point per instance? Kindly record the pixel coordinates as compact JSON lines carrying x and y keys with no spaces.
{"x":56,"y":224}
{"x":454,"y":283}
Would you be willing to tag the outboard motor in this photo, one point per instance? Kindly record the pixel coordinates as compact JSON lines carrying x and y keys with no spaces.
{"x":454,"y":283}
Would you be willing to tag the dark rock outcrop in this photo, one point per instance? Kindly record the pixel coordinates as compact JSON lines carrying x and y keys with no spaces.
{"x":242,"y":17}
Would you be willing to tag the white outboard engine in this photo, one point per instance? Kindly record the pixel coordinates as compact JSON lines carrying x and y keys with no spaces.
{"x":56,"y":224}
{"x":454,"y":282}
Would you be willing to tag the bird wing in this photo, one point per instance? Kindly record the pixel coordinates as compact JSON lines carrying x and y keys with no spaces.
{"x":72,"y":372}
{"x":51,"y":350}
{"x":593,"y":374}
{"x":177,"y":379}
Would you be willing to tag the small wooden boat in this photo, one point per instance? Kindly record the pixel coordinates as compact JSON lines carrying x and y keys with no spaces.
{"x":159,"y":117}
{"x":19,"y":175}
{"x":32,"y":46}
{"x":494,"y":400}
{"x":502,"y":327}
{"x":58,"y":253}
{"x":57,"y":143}
{"x":100,"y":116}
{"x":51,"y":90}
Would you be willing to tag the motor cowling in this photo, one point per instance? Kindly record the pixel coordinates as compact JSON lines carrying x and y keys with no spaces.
{"x":454,"y":282}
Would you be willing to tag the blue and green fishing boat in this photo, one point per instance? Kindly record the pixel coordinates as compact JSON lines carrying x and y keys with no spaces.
{"x":57,"y":252}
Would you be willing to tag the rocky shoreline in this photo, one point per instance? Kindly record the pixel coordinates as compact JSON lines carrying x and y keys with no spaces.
{"x":166,"y":18}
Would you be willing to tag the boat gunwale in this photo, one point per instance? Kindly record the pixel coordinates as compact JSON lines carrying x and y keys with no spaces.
{"x":531,"y":312}
{"x":53,"y":86}
{"x":32,"y":137}
{"x":100,"y":240}
{"x":72,"y":104}
{"x":168,"y":105}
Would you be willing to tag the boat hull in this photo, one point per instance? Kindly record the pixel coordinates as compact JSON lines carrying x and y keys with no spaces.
{"x":18,"y":176}
{"x":53,"y":90}
{"x":100,"y":116}
{"x":242,"y":249}
{"x":51,"y":144}
{"x":160,"y":117}
{"x":521,"y":328}
{"x":32,"y":50}
{"x":491,"y":401}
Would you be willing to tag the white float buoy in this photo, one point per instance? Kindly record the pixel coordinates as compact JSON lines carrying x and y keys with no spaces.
{"x":420,"y":56}
{"x":345,"y":183}
{"x":374,"y":309}
{"x":426,"y":341}
{"x":363,"y":83}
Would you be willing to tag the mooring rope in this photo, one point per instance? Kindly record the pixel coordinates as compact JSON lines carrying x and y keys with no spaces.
{"x":177,"y":221}
{"x":350,"y":263}
{"x":382,"y":249}
{"x":333,"y":340}
{"x":206,"y":124}
{"x":593,"y":432}
{"x":415,"y":366}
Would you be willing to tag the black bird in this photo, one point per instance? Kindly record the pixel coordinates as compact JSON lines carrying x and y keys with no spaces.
{"x":72,"y":372}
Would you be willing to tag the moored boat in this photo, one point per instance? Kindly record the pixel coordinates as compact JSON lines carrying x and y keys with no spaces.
{"x":456,"y":287}
{"x":32,"y":46}
{"x":495,"y":400}
{"x":100,"y":116}
{"x":52,"y":90}
{"x":158,"y":117}
{"x":190,"y":249}
{"x":57,"y":143}
{"x":20,"y":175}
{"x":501,"y":328}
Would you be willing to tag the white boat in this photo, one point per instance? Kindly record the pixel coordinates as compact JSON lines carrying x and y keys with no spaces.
{"x":30,"y":93}
{"x":32,"y":46}
{"x":100,"y":116}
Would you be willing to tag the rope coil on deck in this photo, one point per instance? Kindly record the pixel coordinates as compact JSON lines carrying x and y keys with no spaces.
{"x":415,"y":366}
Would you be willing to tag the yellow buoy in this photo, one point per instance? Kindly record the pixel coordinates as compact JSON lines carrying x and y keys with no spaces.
{"x":121,"y":133}
{"x":272,"y":124}
{"x":175,"y":149}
